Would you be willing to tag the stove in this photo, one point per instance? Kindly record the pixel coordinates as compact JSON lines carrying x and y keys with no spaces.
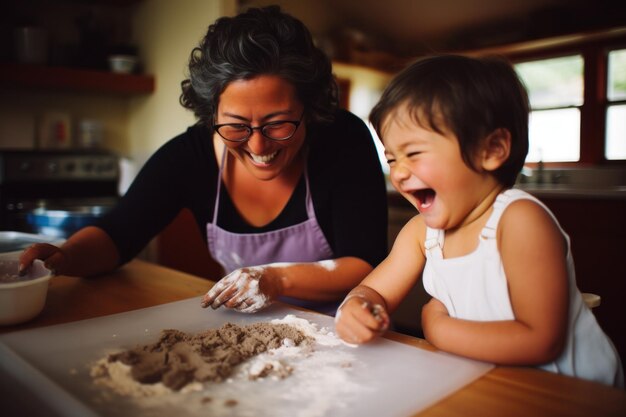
{"x":37,"y":186}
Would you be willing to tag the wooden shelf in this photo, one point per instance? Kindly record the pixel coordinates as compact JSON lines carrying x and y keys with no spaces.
{"x":39,"y":77}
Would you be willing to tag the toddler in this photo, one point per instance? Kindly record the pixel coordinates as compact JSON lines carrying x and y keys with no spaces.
{"x":494,"y":259}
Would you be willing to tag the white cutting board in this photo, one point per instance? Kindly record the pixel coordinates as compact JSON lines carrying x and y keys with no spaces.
{"x":50,"y":367}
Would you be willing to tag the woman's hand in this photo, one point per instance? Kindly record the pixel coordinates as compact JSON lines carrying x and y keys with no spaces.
{"x":53,"y":257}
{"x":360,"y":319}
{"x":246,"y":289}
{"x":432,"y":311}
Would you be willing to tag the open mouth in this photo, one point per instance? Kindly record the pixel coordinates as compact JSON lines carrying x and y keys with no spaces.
{"x":424,"y":197}
{"x":263,"y":159}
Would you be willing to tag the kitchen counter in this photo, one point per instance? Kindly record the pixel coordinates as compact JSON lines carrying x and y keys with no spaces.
{"x":509,"y":391}
{"x":616,"y":192}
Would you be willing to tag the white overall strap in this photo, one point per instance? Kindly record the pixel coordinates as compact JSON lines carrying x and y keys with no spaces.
{"x":502,"y":201}
{"x":434,"y":243}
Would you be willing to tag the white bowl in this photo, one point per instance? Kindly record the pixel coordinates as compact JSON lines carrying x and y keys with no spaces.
{"x":21,"y":298}
{"x":123,"y":64}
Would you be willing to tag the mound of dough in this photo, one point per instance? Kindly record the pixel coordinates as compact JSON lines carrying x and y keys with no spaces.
{"x":178,"y":358}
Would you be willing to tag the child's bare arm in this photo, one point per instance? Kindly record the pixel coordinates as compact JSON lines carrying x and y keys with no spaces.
{"x":364,"y":314}
{"x":533,"y":255}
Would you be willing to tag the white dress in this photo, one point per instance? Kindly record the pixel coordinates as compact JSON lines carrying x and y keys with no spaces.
{"x":474,"y":287}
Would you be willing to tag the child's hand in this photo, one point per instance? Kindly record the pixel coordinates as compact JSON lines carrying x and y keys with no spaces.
{"x":359,"y":320}
{"x":431,"y":312}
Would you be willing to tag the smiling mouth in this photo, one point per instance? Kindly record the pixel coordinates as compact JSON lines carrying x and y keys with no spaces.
{"x":263,"y":159}
{"x":424,"y":197}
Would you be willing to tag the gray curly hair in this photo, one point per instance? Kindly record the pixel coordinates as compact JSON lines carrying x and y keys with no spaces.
{"x":260,"y":41}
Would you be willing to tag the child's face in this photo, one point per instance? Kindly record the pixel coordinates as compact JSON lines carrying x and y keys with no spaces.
{"x":426,"y":167}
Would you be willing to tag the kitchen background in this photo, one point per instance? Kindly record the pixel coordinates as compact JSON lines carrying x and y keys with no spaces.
{"x":60,"y":94}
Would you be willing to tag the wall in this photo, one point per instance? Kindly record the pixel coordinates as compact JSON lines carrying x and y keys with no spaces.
{"x":366,"y":87}
{"x":166,"y":32}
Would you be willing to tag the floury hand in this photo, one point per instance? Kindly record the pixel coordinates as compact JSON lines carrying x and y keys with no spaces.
{"x":247,"y":290}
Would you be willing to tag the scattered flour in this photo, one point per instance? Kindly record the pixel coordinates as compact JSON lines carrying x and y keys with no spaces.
{"x":9,"y":278}
{"x":312,"y":379}
{"x":329,"y":264}
{"x":322,"y":335}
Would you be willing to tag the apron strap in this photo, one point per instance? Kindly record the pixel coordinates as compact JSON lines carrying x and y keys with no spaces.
{"x":219,"y":186}
{"x":310,"y":210}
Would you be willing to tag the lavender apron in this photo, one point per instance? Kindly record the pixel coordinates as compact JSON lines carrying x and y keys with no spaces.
{"x":303,"y":242}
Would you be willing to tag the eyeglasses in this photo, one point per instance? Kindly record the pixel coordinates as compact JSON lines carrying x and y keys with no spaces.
{"x":241,"y":132}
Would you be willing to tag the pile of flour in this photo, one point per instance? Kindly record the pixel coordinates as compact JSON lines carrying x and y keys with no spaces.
{"x":178,"y":358}
{"x":271,"y":368}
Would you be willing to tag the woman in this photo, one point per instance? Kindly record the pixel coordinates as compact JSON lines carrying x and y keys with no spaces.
{"x":272,"y":171}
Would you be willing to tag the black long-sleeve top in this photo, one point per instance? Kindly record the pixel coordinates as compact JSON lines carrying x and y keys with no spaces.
{"x":345,"y":177}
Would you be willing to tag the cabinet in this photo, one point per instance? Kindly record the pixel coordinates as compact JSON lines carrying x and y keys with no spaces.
{"x":597,"y":228}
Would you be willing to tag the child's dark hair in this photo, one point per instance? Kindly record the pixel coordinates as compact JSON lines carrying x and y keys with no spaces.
{"x":475,"y":96}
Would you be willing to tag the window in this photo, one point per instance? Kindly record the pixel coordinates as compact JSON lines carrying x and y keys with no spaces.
{"x":615,"y":145}
{"x":577,"y":90}
{"x":555,"y":89}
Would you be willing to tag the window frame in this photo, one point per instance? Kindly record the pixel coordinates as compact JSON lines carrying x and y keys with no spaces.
{"x":539,"y":109}
{"x":616,"y":102}
{"x":594,"y":49}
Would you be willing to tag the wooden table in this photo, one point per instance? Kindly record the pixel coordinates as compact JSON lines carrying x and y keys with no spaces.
{"x":504,"y":391}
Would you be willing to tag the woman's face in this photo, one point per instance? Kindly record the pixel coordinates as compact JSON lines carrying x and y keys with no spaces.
{"x":255,"y":102}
